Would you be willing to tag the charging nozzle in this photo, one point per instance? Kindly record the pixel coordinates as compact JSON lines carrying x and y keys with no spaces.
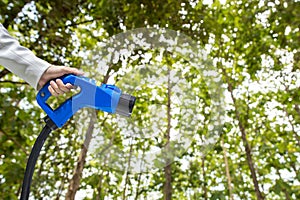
{"x":125,"y":105}
{"x":107,"y":98}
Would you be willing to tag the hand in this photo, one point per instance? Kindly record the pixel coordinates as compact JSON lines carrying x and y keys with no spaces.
{"x":57,"y":87}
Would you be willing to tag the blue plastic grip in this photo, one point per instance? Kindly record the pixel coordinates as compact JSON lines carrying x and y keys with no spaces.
{"x":104,"y":97}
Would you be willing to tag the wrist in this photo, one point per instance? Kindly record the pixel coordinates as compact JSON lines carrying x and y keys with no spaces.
{"x":43,"y":79}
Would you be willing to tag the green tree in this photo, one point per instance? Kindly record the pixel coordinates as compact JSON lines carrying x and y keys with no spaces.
{"x":254,"y":45}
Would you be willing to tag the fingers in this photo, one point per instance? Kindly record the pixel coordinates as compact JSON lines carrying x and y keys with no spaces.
{"x":56,"y":71}
{"x":57,"y":87}
{"x":70,"y":70}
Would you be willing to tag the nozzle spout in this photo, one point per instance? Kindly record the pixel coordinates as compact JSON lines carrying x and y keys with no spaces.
{"x":125,"y":105}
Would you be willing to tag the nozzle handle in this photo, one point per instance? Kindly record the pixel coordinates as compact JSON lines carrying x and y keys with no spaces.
{"x":104,"y":97}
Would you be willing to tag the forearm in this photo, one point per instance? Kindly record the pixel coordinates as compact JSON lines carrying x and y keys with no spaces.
{"x":20,"y":60}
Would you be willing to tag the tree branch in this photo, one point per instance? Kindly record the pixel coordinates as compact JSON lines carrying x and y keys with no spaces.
{"x":14,"y":141}
{"x":227,"y":169}
{"x":14,"y":82}
{"x":243,"y":131}
{"x":168,"y":169}
{"x":4,"y":72}
{"x":75,"y":181}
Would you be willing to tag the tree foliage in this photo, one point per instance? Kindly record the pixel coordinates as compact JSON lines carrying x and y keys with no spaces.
{"x":254,"y":45}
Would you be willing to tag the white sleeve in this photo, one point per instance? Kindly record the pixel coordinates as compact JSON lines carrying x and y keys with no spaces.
{"x":20,"y":60}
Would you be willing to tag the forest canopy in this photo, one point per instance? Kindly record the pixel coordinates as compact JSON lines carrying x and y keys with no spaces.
{"x":217,"y":113}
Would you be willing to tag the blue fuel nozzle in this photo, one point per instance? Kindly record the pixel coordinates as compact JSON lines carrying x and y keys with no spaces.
{"x":107,"y":98}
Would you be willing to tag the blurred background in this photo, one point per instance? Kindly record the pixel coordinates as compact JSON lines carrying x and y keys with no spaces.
{"x":254,"y":46}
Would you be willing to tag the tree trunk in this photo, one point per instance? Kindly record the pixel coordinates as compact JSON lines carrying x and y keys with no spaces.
{"x":99,"y":188}
{"x":245,"y":141}
{"x":139,"y":180}
{"x":168,"y":183}
{"x":75,"y":181}
{"x":227,"y":170}
{"x":61,"y":187}
{"x":127,"y":171}
{"x":204,"y":188}
{"x":168,"y":169}
{"x":100,"y":194}
{"x":138,"y":186}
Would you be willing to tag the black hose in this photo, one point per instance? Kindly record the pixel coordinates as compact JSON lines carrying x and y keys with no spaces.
{"x":35,"y":152}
